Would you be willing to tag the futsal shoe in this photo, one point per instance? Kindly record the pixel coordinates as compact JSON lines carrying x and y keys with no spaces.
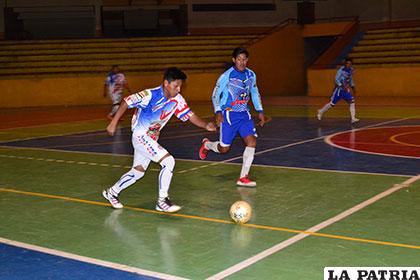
{"x":354,"y":120}
{"x":319,"y":115}
{"x":112,"y":199}
{"x":246,"y":182}
{"x":166,"y":205}
{"x":202,"y":153}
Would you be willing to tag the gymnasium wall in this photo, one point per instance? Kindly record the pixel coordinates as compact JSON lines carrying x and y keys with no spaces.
{"x":88,"y":90}
{"x":376,"y":81}
{"x":278,"y":61}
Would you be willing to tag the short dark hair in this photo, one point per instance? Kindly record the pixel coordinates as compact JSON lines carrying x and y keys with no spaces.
{"x":238,"y":51}
{"x":173,"y":73}
{"x":348,"y":59}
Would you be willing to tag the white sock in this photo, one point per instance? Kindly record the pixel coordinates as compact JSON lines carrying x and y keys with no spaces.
{"x":352,"y":111}
{"x":212,"y":146}
{"x":125,"y":181}
{"x":325,"y":108}
{"x":248,"y":158}
{"x":165,"y":175}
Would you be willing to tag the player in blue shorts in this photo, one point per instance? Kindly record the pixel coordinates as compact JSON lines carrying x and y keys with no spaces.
{"x":234,"y":88}
{"x":344,"y":89}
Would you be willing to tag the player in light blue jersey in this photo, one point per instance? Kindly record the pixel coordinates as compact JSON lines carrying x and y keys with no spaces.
{"x":233,"y":90}
{"x":344,"y":89}
{"x":154,"y":107}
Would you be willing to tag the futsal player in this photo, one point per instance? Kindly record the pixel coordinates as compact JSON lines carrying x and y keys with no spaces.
{"x":115,"y":83}
{"x":344,"y":89}
{"x":233,"y":90}
{"x":154,"y":107}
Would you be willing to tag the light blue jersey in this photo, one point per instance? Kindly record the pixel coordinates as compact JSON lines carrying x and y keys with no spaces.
{"x":154,"y":110}
{"x":234,"y":89}
{"x":344,"y":77}
{"x":343,"y":83}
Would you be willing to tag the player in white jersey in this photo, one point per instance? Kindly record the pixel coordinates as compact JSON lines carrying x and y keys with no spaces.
{"x":115,"y":83}
{"x":154,"y":108}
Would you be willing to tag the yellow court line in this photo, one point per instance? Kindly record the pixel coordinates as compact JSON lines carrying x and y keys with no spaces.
{"x":394,"y":138}
{"x":341,"y":237}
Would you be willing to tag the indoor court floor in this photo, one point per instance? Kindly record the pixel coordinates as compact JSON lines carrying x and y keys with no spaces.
{"x":328,"y":194}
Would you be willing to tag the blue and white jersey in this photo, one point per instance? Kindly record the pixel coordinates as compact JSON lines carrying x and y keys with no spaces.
{"x":154,"y":110}
{"x":344,"y":77}
{"x":115,"y":83}
{"x":234,"y":89}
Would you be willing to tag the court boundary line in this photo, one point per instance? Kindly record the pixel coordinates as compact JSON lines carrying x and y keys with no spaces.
{"x":215,"y":220}
{"x":211,"y":163}
{"x":108,"y":264}
{"x":331,"y":143}
{"x":319,"y":138}
{"x":290,"y":241}
{"x":308,"y":140}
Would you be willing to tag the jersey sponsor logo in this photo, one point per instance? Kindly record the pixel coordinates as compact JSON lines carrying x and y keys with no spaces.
{"x":164,"y":114}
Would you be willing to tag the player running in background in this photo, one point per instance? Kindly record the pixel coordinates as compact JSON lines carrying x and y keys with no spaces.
{"x":234,"y":88}
{"x":114,"y":85}
{"x":344,"y":89}
{"x":154,"y":108}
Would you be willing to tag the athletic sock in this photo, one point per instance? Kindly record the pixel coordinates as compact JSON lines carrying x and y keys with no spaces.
{"x":325,"y":108}
{"x":125,"y":181}
{"x":165,"y":175}
{"x":212,"y":146}
{"x":248,"y":158}
{"x":352,"y":111}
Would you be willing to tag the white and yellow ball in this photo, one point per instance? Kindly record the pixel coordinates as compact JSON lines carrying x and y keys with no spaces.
{"x":240,"y":212}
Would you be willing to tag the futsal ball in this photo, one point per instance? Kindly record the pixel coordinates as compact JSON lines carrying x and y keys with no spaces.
{"x":240,"y":212}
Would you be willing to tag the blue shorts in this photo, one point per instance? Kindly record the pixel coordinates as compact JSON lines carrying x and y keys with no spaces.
{"x":340,"y":93}
{"x":234,"y":122}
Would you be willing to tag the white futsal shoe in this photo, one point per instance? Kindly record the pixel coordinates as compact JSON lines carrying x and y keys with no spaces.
{"x":166,"y":205}
{"x":112,"y":199}
{"x":319,"y":115}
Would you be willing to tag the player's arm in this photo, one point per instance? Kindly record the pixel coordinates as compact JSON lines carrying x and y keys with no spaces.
{"x":338,"y":78}
{"x":256,"y":100}
{"x":352,"y":85}
{"x":197,"y":121}
{"x":221,"y":84}
{"x":112,"y":126}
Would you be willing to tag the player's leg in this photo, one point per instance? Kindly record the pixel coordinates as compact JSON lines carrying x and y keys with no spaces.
{"x":140,"y":164}
{"x":249,"y":135}
{"x":352,"y":108}
{"x":116,"y":102}
{"x":228,"y":131}
{"x":164,"y":204}
{"x":353,"y":113}
{"x":334,"y":99}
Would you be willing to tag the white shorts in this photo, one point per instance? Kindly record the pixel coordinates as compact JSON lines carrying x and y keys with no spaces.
{"x":116,"y":97}
{"x":146,"y":149}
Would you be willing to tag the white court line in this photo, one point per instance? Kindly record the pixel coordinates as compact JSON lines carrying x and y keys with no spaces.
{"x":90,"y":260}
{"x":299,"y":142}
{"x":280,"y":246}
{"x":210,"y":163}
{"x":320,"y":137}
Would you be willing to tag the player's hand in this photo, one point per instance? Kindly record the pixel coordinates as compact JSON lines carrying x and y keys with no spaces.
{"x":111,"y":128}
{"x":262,"y":119}
{"x":211,"y":127}
{"x":219,"y":119}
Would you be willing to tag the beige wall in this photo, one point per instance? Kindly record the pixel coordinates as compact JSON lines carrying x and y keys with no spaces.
{"x":376,"y":81}
{"x":278,"y":61}
{"x":88,"y":90}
